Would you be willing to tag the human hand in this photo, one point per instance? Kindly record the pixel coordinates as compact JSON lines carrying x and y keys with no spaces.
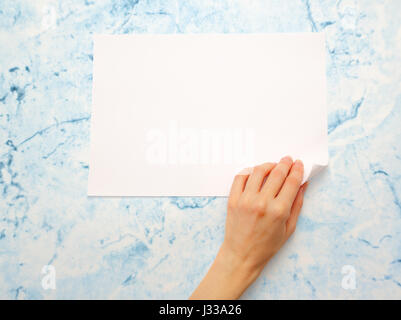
{"x":262,"y":212}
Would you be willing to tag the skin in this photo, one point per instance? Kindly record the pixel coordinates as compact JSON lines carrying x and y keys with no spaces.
{"x":262,"y":213}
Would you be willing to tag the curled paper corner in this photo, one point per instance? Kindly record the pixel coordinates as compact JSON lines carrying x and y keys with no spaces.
{"x":316,"y":168}
{"x":313,"y":170}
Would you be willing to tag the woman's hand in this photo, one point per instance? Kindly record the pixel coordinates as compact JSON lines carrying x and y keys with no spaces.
{"x":263,"y":209}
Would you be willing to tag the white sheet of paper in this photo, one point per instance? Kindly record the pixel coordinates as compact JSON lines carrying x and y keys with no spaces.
{"x":180,"y":115}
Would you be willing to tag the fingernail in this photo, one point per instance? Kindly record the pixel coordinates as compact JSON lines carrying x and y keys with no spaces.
{"x":286,"y":158}
{"x":245,"y":172}
{"x":298,"y":164}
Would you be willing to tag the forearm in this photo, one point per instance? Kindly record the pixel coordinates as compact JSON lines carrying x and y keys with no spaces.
{"x":226,"y":279}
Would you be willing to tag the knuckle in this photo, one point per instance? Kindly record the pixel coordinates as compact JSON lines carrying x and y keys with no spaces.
{"x":293,"y":180}
{"x":278,"y":210}
{"x":244,"y":204}
{"x":259,"y":206}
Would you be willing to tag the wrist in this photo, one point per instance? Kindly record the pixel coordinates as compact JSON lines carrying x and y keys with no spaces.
{"x":237,"y":273}
{"x":228,"y":277}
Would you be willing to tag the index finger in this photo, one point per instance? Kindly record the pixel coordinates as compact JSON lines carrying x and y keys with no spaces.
{"x":239,"y":182}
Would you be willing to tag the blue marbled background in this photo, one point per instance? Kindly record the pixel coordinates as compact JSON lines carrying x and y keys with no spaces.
{"x":161,"y":247}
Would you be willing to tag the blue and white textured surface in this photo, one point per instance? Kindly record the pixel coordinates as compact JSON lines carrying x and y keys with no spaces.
{"x":161,"y":247}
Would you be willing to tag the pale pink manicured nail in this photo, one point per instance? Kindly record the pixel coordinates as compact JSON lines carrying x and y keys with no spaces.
{"x":298,"y":164}
{"x":245,"y":172}
{"x":286,"y":158}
